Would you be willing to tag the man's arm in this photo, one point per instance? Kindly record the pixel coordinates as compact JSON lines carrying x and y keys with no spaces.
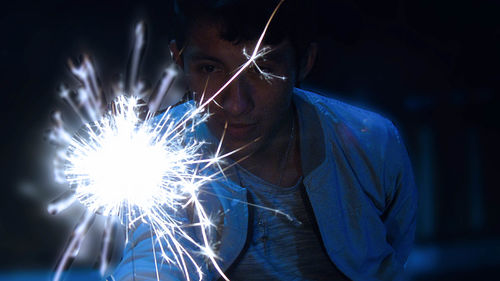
{"x":401,"y":196}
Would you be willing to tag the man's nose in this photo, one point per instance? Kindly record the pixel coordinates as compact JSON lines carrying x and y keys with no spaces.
{"x":237,"y":99}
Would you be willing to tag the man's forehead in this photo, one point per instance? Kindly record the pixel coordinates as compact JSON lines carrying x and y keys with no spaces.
{"x":206,"y":42}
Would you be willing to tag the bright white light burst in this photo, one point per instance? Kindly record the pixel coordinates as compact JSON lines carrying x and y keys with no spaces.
{"x":122,"y":161}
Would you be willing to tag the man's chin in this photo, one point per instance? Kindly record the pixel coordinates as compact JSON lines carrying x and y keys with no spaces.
{"x":239,"y":149}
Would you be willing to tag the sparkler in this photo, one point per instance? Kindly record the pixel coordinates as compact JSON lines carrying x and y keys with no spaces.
{"x":134,"y":168}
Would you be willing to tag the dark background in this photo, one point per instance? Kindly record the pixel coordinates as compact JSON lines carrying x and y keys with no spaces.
{"x":430,"y":66}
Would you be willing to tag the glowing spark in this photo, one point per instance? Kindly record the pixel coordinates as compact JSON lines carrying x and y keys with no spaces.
{"x":261,"y":54}
{"x":138,"y":168}
{"x":123,"y":160}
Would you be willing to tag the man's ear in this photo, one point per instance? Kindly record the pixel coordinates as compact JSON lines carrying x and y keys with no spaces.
{"x":308,"y":61}
{"x":176,"y":53}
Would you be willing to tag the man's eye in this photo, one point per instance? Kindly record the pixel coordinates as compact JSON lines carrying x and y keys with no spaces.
{"x":266,"y":69}
{"x":208,"y":68}
{"x":262,"y":69}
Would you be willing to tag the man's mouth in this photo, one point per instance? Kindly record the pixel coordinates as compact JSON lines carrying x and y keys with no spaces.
{"x":240,"y":131}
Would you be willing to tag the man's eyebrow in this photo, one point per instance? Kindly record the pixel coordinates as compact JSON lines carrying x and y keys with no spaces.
{"x":202,"y":56}
{"x":274,"y":55}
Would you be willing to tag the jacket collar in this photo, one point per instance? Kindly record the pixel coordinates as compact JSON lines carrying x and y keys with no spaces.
{"x":312,"y":143}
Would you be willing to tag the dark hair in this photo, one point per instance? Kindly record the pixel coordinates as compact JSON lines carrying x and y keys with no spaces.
{"x":243,"y":20}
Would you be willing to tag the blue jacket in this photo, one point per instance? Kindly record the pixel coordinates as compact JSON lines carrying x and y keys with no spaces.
{"x":360,"y":185}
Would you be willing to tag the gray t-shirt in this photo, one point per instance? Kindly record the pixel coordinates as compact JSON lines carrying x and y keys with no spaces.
{"x":279,"y":246}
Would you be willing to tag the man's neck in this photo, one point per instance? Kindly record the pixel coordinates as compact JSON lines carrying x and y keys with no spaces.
{"x":279,"y":161}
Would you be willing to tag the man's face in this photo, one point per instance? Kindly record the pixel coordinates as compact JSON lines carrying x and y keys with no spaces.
{"x":252,"y":106}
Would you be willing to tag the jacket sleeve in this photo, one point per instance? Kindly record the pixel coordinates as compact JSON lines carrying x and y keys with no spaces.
{"x":145,"y":259}
{"x":401,"y":196}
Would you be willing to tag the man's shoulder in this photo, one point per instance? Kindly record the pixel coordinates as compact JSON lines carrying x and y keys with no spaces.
{"x":361,"y":141}
{"x":177,"y":112}
{"x":182,"y":116}
{"x":358,"y":121}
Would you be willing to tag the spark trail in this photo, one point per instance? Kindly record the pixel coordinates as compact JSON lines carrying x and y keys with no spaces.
{"x":125,"y":163}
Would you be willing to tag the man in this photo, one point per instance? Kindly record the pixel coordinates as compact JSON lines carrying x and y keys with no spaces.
{"x":339,"y":175}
